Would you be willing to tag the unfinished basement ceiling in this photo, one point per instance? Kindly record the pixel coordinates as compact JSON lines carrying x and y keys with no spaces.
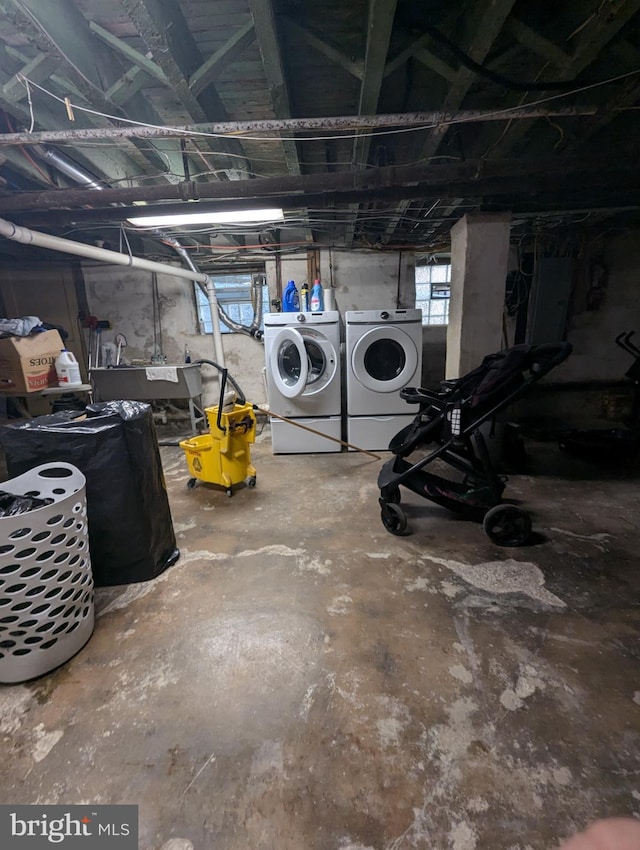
{"x":537,"y":102}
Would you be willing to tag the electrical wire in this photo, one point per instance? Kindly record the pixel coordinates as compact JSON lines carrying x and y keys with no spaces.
{"x":494,"y":76}
{"x":29,"y":100}
{"x":359,"y":134}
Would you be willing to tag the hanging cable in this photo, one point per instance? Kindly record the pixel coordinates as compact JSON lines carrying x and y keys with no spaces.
{"x":506,"y":82}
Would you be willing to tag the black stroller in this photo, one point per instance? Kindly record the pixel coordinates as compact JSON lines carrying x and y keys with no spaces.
{"x":452,"y":419}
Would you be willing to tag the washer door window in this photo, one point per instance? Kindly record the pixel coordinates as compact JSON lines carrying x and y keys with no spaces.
{"x":384,"y":360}
{"x":289,"y":365}
{"x":317,"y":367}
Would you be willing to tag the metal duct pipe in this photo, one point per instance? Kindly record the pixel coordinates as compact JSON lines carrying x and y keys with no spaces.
{"x":257,"y":284}
{"x":67,"y":166}
{"x":209,"y":290}
{"x":229,"y":322}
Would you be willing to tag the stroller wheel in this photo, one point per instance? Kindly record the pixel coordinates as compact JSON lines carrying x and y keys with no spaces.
{"x":393,"y":517}
{"x":507,"y":525}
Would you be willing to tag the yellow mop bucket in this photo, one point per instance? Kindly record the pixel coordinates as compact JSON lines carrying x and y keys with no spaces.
{"x":223,"y":456}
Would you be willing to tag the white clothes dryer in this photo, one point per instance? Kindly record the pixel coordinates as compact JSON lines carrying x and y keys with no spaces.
{"x":383,"y":354}
{"x":302,"y":355}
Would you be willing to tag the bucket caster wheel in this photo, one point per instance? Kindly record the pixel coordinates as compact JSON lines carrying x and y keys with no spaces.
{"x":393,"y":518}
{"x":251,"y":482}
{"x":229,"y":492}
{"x":507,"y":525}
{"x":191,"y":483}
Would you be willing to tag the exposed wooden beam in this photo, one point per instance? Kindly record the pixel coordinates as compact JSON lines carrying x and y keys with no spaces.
{"x":606,"y":23}
{"x":419,"y":49}
{"x":471,"y":179}
{"x":165,"y":33}
{"x":434,"y":63}
{"x":593,"y":39}
{"x":379,"y":26}
{"x":38,"y":69}
{"x":126,"y":86}
{"x":63,"y":83}
{"x":266,"y":33}
{"x":293,"y":125}
{"x":132,"y":81}
{"x":330,"y":51}
{"x":104,"y":160}
{"x":60,"y":29}
{"x":134,"y":56}
{"x":222,"y":58}
{"x":484,"y":26}
{"x":628,"y":95}
{"x":64,"y":27}
{"x":538,"y":44}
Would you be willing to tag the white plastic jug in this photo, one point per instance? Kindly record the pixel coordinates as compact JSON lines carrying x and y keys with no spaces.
{"x":68,"y":369}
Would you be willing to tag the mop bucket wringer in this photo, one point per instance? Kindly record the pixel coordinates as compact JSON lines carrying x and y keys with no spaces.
{"x":223,"y":456}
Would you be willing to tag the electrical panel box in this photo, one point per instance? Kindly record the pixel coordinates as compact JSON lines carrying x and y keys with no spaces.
{"x":549,"y":300}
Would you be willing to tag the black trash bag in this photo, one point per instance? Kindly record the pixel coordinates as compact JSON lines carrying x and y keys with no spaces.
{"x":12,"y":505}
{"x":131,"y":535}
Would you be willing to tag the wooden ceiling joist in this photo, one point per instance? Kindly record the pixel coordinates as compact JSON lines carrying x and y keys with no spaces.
{"x":61,"y":30}
{"x":165,"y":33}
{"x":323,"y":46}
{"x":379,"y":27}
{"x":226,"y":55}
{"x":267,"y":36}
{"x":483,"y":28}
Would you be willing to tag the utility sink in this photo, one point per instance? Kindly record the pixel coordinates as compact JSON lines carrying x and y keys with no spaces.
{"x":144,"y":383}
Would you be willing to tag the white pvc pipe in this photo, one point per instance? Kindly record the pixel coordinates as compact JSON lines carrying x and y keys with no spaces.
{"x":215,"y":324}
{"x":68,"y":246}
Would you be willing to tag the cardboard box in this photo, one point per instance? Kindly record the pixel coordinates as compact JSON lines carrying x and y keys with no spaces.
{"x":27,"y":364}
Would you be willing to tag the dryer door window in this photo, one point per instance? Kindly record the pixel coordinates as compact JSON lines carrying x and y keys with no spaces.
{"x":384,"y":359}
{"x":290,"y":364}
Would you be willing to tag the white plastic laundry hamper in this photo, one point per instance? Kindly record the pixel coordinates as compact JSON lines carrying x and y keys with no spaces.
{"x":46,"y":585}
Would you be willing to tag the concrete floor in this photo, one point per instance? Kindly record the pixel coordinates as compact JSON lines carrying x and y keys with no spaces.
{"x":303,"y":680}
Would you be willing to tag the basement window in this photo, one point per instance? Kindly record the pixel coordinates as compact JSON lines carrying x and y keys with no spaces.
{"x":233,"y":292}
{"x":433,"y":290}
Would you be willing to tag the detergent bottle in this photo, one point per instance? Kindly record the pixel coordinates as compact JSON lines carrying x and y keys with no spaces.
{"x":317,"y":298}
{"x":290,"y":303}
{"x":68,"y":370}
{"x":304,"y":298}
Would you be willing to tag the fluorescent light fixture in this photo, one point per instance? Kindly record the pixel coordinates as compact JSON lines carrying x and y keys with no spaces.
{"x":231,"y":217}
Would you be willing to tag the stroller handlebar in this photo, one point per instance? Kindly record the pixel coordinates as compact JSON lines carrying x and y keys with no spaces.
{"x":547,"y":356}
{"x":419,"y":395}
{"x":535,"y":360}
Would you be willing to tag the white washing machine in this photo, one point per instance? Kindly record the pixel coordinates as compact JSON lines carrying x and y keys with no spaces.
{"x":383,"y":354}
{"x":302,"y":354}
